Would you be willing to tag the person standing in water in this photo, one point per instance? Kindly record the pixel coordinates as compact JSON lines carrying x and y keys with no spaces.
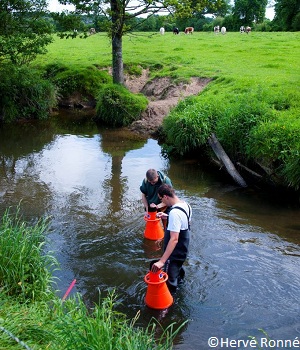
{"x":177,"y":236}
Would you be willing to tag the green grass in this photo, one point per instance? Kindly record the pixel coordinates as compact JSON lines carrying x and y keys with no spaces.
{"x":271,"y":58}
{"x":69,"y":325}
{"x":24,"y":271}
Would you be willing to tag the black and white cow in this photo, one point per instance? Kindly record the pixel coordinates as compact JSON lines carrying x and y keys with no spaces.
{"x":216,"y":29}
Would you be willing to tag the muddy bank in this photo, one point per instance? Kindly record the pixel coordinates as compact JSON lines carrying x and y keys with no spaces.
{"x":163,"y":95}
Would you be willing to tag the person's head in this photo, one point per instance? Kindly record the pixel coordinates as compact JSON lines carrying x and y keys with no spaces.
{"x":152,"y":176}
{"x":166,"y":193}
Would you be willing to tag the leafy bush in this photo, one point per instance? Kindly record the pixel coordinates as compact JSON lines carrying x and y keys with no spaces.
{"x":116,"y":106}
{"x":86,"y":80}
{"x":24,"y":94}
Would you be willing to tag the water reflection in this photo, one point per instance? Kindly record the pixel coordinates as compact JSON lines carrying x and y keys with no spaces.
{"x":242,"y":272}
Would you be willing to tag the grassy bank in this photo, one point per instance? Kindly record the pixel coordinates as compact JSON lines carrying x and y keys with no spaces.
{"x":33,"y":317}
{"x":252,"y":103}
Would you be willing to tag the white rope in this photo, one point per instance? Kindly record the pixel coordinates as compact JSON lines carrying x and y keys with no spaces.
{"x":15,"y":338}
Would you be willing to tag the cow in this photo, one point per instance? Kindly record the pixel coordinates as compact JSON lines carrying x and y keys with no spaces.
{"x":248,"y":30}
{"x":175,"y":30}
{"x":223,"y":30}
{"x":189,"y":30}
{"x":216,"y":29}
{"x":242,"y":29}
{"x":162,"y":31}
{"x":92,"y":31}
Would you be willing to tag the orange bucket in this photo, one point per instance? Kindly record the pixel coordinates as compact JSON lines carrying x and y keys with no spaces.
{"x":153,"y":229}
{"x":158,"y":295}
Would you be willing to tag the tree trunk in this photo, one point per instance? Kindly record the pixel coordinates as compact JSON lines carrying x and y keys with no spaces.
{"x":117,"y":60}
{"x":116,"y":36}
{"x":223,"y":157}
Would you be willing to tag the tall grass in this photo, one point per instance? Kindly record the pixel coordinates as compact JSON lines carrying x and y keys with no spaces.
{"x":104,"y":328}
{"x":24,"y":271}
{"x":69,"y":325}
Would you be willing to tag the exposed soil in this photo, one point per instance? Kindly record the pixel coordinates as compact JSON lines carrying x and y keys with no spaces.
{"x":163,"y":95}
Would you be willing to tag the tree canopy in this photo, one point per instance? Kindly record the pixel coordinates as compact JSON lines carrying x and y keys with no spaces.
{"x":246,"y":12}
{"x":24,"y":30}
{"x":287,"y":15}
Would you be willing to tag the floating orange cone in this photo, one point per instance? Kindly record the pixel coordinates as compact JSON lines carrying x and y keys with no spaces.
{"x":153,"y":229}
{"x":158,"y":295}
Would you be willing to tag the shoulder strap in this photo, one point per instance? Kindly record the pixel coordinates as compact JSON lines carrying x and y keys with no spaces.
{"x":162,"y":176}
{"x":188,"y":216}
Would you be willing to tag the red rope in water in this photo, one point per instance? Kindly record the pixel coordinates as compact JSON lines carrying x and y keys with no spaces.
{"x":69,"y":289}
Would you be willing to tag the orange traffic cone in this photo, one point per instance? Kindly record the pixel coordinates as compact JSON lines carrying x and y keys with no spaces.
{"x":158,"y":295}
{"x":153,"y":229}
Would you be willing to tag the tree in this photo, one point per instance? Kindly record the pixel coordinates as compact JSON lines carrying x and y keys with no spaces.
{"x":246,"y":12}
{"x":287,"y":15}
{"x":24,"y":30}
{"x":221,"y":11}
{"x":120,"y":13}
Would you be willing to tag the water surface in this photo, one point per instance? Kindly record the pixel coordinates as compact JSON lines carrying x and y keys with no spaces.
{"x":242,"y":273}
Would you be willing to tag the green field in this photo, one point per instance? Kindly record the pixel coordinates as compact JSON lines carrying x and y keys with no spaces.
{"x":259,"y":58}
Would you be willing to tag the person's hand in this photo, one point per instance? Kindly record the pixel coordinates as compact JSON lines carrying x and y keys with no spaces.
{"x":153,"y":205}
{"x":146,"y":215}
{"x":157,"y":266}
{"x":161,"y":215}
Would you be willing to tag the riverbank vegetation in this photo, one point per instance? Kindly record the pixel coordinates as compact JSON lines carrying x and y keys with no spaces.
{"x":117,"y":106}
{"x":31,"y":314}
{"x":251,"y":104}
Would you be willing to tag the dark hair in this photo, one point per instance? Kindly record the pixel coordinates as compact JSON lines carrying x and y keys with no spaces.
{"x":167,"y":190}
{"x":151,"y":174}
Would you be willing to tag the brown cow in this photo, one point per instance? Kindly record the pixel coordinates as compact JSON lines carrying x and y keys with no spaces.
{"x":248,"y":30}
{"x":189,"y":30}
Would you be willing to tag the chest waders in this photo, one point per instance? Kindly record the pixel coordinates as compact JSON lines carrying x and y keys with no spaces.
{"x":173,"y":265}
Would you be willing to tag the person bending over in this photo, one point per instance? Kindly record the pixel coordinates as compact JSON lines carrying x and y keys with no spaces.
{"x":149,"y":189}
